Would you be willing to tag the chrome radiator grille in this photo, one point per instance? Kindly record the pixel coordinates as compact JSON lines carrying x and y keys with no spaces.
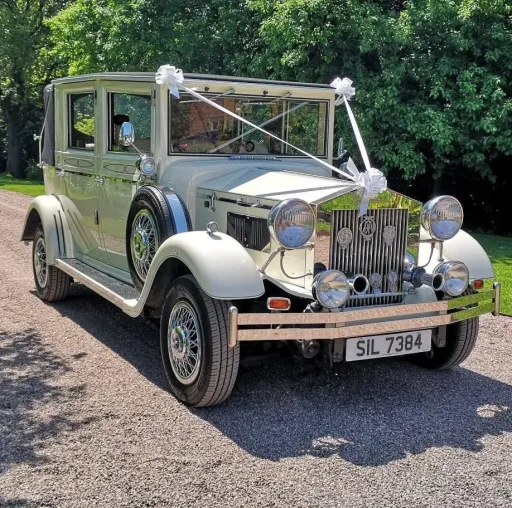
{"x":369,"y":254}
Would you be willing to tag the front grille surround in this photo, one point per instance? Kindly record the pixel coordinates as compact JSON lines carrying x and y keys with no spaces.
{"x":370,"y":256}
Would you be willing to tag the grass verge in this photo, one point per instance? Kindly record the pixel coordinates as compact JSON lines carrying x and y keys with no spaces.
{"x":499,"y":250}
{"x":28,"y":187}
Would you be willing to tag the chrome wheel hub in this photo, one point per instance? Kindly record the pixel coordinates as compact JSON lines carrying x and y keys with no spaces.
{"x":143,"y":242}
{"x":184,"y":342}
{"x":40,"y":264}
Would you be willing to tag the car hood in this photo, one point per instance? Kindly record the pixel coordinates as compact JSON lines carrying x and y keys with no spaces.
{"x":279,"y":185}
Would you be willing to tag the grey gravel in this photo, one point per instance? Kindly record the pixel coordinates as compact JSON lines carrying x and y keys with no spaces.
{"x":86,"y":420}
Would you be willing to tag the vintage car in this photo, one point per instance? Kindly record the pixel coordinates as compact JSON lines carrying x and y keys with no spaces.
{"x":217,"y":212}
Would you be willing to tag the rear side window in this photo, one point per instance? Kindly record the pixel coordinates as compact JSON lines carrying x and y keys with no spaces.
{"x":81,"y":120}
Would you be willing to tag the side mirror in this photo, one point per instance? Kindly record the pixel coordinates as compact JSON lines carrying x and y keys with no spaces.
{"x":126,"y":134}
{"x":341,"y":150}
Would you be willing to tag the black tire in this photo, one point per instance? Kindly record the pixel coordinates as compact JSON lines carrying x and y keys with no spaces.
{"x":218,"y":368}
{"x":460,"y":341}
{"x":56,"y":284}
{"x":153,"y":200}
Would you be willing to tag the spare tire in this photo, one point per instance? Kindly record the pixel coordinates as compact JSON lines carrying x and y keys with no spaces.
{"x":156,"y":213}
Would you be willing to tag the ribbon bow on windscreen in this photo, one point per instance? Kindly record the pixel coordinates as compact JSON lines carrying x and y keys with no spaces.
{"x":170,"y":76}
{"x":372,"y":181}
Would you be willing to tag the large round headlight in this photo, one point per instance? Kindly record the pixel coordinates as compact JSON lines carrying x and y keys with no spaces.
{"x":291,"y":223}
{"x":331,"y":289}
{"x":442,"y":217}
{"x":456,"y":277}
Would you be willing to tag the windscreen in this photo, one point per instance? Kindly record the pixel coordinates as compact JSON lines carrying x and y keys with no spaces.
{"x":198,"y":128}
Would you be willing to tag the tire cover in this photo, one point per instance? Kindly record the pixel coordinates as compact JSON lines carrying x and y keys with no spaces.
{"x":170,"y":214}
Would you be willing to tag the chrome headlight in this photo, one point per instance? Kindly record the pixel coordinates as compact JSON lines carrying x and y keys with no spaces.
{"x":442,"y":217}
{"x":331,"y":289}
{"x":456,"y":277}
{"x":291,"y":223}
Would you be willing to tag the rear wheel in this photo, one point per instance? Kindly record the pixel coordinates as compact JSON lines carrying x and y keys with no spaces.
{"x":52,"y":284}
{"x":199,"y":364}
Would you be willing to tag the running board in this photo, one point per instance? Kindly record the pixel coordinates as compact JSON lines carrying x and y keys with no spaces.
{"x":122,"y":295}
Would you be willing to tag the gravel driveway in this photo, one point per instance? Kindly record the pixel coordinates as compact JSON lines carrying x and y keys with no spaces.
{"x":85,"y":418}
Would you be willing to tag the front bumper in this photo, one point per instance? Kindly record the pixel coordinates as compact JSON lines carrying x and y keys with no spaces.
{"x":360,"y":323}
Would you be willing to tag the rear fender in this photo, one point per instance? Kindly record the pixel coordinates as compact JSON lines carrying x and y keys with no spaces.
{"x":48,"y":211}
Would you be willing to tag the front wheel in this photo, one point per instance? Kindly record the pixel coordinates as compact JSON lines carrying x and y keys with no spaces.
{"x":460,"y":341}
{"x":200,"y":366}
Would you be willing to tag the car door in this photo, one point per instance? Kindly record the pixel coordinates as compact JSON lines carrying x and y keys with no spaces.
{"x":122,"y":102}
{"x":77,"y":165}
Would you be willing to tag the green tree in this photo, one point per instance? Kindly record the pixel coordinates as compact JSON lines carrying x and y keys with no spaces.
{"x":25,"y":66}
{"x":433,"y":79}
{"x":215,"y":36}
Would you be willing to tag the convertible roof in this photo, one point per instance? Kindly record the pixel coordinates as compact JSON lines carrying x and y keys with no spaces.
{"x":150,"y":76}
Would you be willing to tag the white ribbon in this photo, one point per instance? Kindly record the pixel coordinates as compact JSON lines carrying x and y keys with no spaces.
{"x":372,"y":181}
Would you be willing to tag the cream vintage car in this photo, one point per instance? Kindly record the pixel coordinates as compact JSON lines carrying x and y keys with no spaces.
{"x":216,"y":210}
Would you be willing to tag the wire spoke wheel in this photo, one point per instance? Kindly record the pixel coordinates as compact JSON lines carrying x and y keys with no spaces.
{"x":184,"y":342}
{"x":40,"y":263}
{"x":143,"y":242}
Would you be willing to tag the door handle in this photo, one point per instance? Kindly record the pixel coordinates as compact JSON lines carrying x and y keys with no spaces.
{"x":61,"y":172}
{"x":100,"y":180}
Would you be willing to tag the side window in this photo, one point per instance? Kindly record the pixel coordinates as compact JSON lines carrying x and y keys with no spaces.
{"x":81,"y":120}
{"x":134,"y":108}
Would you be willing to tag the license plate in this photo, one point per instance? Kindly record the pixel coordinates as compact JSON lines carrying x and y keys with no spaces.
{"x":396,"y":344}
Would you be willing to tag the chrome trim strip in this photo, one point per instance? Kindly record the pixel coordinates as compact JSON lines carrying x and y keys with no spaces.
{"x":356,"y":323}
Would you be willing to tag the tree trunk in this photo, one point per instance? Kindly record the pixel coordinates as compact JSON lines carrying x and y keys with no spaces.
{"x":14,"y":149}
{"x":12,"y":116}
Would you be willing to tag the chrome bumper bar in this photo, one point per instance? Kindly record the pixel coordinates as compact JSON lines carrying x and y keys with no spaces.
{"x":360,"y":323}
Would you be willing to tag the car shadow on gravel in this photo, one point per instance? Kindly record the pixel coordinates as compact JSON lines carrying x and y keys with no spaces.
{"x":32,"y":404}
{"x":368,"y":413}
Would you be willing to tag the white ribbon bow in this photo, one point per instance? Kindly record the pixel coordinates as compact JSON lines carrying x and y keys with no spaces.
{"x":170,"y":76}
{"x":343,"y":88}
{"x":372,"y":181}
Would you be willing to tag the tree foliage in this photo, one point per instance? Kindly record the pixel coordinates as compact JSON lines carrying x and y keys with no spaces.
{"x":433,"y":78}
{"x":24,"y":68}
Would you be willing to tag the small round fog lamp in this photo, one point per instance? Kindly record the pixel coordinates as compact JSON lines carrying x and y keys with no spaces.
{"x":456,"y":277}
{"x":331,"y":289}
{"x":146,"y":165}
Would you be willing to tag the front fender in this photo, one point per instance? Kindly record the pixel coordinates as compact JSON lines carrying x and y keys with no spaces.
{"x":221,"y":266}
{"x":47,"y":211}
{"x":462,"y":247}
